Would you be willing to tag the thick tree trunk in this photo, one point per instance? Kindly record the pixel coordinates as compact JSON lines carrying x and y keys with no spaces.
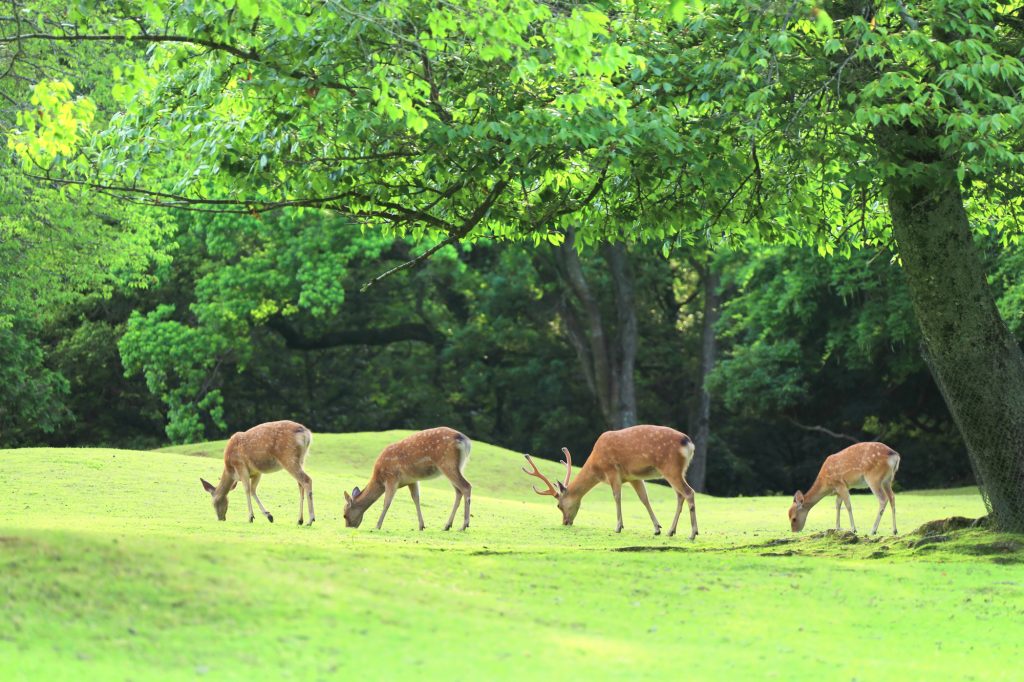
{"x":975,"y":360}
{"x":625,"y":312}
{"x":697,"y":474}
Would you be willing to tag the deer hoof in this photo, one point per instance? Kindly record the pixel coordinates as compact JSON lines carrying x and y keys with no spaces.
{"x":270,"y":518}
{"x":251,"y":518}
{"x":657,"y":531}
{"x":671,"y":533}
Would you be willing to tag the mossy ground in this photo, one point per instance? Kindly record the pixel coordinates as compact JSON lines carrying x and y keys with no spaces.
{"x":112,"y":566}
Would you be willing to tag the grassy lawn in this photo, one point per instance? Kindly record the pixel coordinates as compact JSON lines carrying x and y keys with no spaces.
{"x":113,"y":566}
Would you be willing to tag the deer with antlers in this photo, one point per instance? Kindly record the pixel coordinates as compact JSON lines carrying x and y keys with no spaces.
{"x":635,"y":454}
{"x":870,"y":465}
{"x":263,"y":449}
{"x":422,"y":455}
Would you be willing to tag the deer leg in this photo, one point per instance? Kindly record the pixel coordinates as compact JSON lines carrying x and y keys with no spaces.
{"x":683,"y":492}
{"x":882,"y":500}
{"x":616,"y":485}
{"x":845,"y":495}
{"x":462,"y":489}
{"x":389,"y":494}
{"x":691,"y":501}
{"x":892,"y":503}
{"x":455,"y":508}
{"x":641,"y":492}
{"x":414,"y":491}
{"x":247,"y":483}
{"x":256,"y":482}
{"x":305,"y":488}
{"x":839,"y":506}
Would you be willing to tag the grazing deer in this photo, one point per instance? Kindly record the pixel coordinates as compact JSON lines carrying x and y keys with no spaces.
{"x":415,"y":458}
{"x":263,"y":449}
{"x":871,"y":465}
{"x":634,"y":454}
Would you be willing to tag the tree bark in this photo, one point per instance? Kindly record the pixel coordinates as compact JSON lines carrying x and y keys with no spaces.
{"x":974,"y":359}
{"x":697,"y":474}
{"x":593,"y":325}
{"x":607,"y":353}
{"x":625,"y":312}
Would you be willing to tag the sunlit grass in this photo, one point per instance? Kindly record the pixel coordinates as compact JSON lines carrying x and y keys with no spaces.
{"x":114,"y":567}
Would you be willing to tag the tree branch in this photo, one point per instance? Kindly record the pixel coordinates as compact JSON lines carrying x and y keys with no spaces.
{"x":295,"y":340}
{"x":822,"y":429}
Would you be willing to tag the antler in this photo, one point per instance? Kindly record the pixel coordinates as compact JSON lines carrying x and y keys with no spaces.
{"x":537,"y":474}
{"x":568,"y":466}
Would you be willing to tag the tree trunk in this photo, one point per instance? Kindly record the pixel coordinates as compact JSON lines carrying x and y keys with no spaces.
{"x":596,"y":347}
{"x":975,"y":360}
{"x":697,"y":474}
{"x":625,"y":311}
{"x":607,"y":353}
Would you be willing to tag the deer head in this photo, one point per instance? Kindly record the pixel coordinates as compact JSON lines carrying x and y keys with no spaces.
{"x":353,"y":511}
{"x":798,"y":513}
{"x":568,"y":504}
{"x":220,"y":503}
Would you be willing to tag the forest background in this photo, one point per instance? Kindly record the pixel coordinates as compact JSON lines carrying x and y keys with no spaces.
{"x":127,"y":323}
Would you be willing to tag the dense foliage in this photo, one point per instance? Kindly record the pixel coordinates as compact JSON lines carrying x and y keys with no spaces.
{"x":321,"y":143}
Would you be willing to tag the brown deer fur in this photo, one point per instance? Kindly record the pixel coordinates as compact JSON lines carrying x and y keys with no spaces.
{"x":632,"y":455}
{"x":263,"y":449}
{"x":872,"y":465}
{"x":422,"y":455}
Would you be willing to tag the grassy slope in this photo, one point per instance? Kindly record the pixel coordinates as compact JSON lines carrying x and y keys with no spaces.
{"x":112,"y":566}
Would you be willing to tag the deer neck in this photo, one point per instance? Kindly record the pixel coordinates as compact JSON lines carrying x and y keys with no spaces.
{"x":816,"y":493}
{"x":370,"y":494}
{"x":227,"y":482}
{"x":583,"y":483}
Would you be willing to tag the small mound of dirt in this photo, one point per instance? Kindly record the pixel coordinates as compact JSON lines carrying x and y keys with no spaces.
{"x":844,"y":537}
{"x":943,"y":526}
{"x":649,"y":548}
{"x":928,"y":540}
{"x":779,"y":541}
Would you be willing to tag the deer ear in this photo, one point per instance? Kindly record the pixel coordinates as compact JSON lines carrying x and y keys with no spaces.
{"x":355,"y":492}
{"x":799,"y":499}
{"x":206,"y":486}
{"x":561,"y":487}
{"x":348,"y":498}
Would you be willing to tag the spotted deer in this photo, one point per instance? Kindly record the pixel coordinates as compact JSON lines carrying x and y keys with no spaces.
{"x":263,"y":449}
{"x":870,"y":465}
{"x":422,"y":455}
{"x":632,"y":455}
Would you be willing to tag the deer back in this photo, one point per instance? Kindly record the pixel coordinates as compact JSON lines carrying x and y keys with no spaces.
{"x":424,"y":454}
{"x":641,"y":450}
{"x":268,"y":447}
{"x":871,"y":461}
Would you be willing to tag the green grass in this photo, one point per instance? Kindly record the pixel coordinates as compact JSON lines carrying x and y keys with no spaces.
{"x":112,"y":566}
